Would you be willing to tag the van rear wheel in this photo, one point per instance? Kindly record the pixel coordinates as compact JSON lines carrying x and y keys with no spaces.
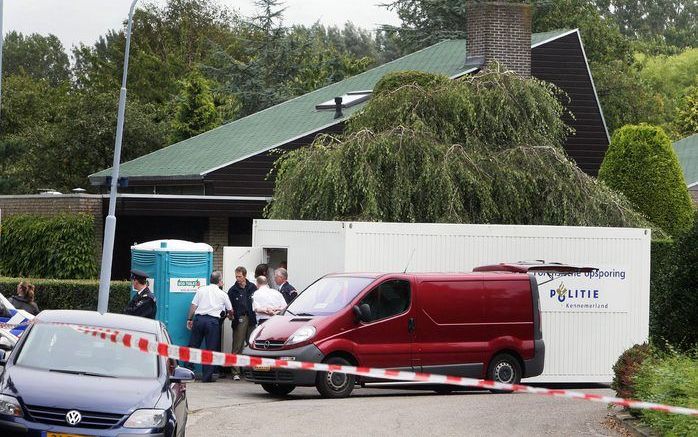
{"x":335,"y":384}
{"x":506,"y":369}
{"x":278,"y":389}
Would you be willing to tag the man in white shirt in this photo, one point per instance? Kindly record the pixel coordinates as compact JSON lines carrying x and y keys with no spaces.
{"x":266,"y":301}
{"x":204,"y":317}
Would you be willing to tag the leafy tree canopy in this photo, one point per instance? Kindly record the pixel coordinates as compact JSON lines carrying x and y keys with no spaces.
{"x":419,"y":162}
{"x":196,"y":111}
{"x":687,"y":113}
{"x":36,"y":56}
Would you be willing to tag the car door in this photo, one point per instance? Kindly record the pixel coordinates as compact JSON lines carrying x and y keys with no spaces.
{"x":386,"y":340}
{"x":178,"y":391}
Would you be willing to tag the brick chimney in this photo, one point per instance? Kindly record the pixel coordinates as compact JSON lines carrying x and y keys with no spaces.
{"x":499,"y":31}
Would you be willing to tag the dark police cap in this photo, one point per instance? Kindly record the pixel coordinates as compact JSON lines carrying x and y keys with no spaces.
{"x":138,"y":274}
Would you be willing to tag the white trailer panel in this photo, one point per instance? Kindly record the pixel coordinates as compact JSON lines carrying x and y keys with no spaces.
{"x":582,"y":340}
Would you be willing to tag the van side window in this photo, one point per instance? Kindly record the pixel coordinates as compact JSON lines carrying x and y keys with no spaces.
{"x":388,"y":299}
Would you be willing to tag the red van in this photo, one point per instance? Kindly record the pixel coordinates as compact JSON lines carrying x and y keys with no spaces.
{"x":479,"y":325}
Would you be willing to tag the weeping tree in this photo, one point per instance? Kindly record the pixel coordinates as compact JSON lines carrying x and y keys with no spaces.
{"x":485,"y":149}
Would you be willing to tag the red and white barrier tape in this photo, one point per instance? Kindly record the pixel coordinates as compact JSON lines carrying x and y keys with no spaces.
{"x":199,"y":356}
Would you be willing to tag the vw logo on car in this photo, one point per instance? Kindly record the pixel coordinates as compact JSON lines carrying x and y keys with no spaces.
{"x":73,"y":417}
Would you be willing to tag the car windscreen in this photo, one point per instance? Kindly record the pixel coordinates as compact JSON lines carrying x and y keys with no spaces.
{"x":63,"y":349}
{"x":328,"y":295}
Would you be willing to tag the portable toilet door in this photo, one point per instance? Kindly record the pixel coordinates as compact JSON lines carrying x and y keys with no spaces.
{"x":188,"y":268}
{"x":181,"y":267}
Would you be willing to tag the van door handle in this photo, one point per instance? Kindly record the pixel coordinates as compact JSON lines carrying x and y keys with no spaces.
{"x":410,"y":325}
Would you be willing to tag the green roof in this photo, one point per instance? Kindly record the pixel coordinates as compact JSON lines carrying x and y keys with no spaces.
{"x":687,"y":151}
{"x":294,"y":118}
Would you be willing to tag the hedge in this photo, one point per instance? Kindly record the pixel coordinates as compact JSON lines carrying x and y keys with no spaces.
{"x":641,"y":163}
{"x":70,"y":294}
{"x":60,"y":247}
{"x":626,"y":368}
{"x":662,"y":268}
{"x":670,"y":379}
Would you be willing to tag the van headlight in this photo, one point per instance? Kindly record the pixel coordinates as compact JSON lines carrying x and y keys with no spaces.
{"x":147,"y":418}
{"x":254,"y":335}
{"x":301,"y":335}
{"x":9,"y":406}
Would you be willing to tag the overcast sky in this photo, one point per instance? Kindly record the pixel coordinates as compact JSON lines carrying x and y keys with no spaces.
{"x":75,"y":21}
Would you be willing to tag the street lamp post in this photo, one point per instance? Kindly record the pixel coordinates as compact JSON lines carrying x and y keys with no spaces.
{"x":110,"y":224}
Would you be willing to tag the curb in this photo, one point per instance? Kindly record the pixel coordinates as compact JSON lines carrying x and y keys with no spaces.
{"x":632,"y":424}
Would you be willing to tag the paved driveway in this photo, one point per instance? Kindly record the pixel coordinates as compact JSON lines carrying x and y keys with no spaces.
{"x":241,"y":408}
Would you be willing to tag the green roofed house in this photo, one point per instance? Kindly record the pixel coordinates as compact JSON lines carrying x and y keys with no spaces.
{"x":687,"y":152}
{"x":210,"y":187}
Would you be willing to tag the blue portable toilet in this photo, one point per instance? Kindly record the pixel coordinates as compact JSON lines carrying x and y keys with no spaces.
{"x":176,"y":269}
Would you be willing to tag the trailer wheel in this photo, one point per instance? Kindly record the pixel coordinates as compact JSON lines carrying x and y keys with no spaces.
{"x":335,"y":384}
{"x":278,"y":389}
{"x":504,"y":368}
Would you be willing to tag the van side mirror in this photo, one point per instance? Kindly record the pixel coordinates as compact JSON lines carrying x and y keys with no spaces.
{"x":363,"y":312}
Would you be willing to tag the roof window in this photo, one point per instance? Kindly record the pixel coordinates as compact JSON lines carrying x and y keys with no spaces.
{"x":348,"y":100}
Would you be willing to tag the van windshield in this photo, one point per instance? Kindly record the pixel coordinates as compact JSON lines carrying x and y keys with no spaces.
{"x":327,"y":296}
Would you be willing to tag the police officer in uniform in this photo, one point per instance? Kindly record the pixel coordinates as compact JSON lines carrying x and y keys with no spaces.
{"x":143,"y":303}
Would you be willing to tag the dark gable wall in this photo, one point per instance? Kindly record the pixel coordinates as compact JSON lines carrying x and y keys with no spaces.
{"x":562,"y":62}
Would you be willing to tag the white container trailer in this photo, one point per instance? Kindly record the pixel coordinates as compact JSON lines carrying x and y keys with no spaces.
{"x":588,"y":319}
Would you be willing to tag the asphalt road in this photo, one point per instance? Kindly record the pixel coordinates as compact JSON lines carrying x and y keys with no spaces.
{"x":241,"y":408}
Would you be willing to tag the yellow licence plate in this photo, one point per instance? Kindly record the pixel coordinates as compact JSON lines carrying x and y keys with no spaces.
{"x":58,"y":434}
{"x":262,"y":368}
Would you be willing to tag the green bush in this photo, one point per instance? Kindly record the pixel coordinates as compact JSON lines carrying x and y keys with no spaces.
{"x":626,"y":368}
{"x":683,"y":320}
{"x":662,"y":269}
{"x":60,"y":247}
{"x":641,"y":163}
{"x":397,"y":79}
{"x":70,"y":294}
{"x":669,"y":379}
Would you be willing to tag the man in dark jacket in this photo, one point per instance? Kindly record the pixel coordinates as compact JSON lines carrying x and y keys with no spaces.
{"x":287,"y":290}
{"x":244,"y":319}
{"x":143,"y":303}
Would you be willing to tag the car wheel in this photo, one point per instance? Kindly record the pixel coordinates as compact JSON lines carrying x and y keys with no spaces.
{"x":504,"y":368}
{"x":278,"y":389}
{"x":335,"y":384}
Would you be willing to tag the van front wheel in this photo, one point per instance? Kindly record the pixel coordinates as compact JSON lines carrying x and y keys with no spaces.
{"x":335,"y":384}
{"x":506,"y":369}
{"x":278,"y":389}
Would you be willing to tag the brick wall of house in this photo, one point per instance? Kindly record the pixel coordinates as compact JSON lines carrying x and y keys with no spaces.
{"x":502,"y":32}
{"x":50,"y":205}
{"x":693,"y":191}
{"x":217,"y":237}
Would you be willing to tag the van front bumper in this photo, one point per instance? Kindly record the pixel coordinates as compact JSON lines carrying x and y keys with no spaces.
{"x":308,"y":353}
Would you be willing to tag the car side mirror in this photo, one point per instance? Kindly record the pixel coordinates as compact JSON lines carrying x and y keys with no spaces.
{"x":4,"y":355}
{"x":363,"y":312}
{"x":182,"y":374}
